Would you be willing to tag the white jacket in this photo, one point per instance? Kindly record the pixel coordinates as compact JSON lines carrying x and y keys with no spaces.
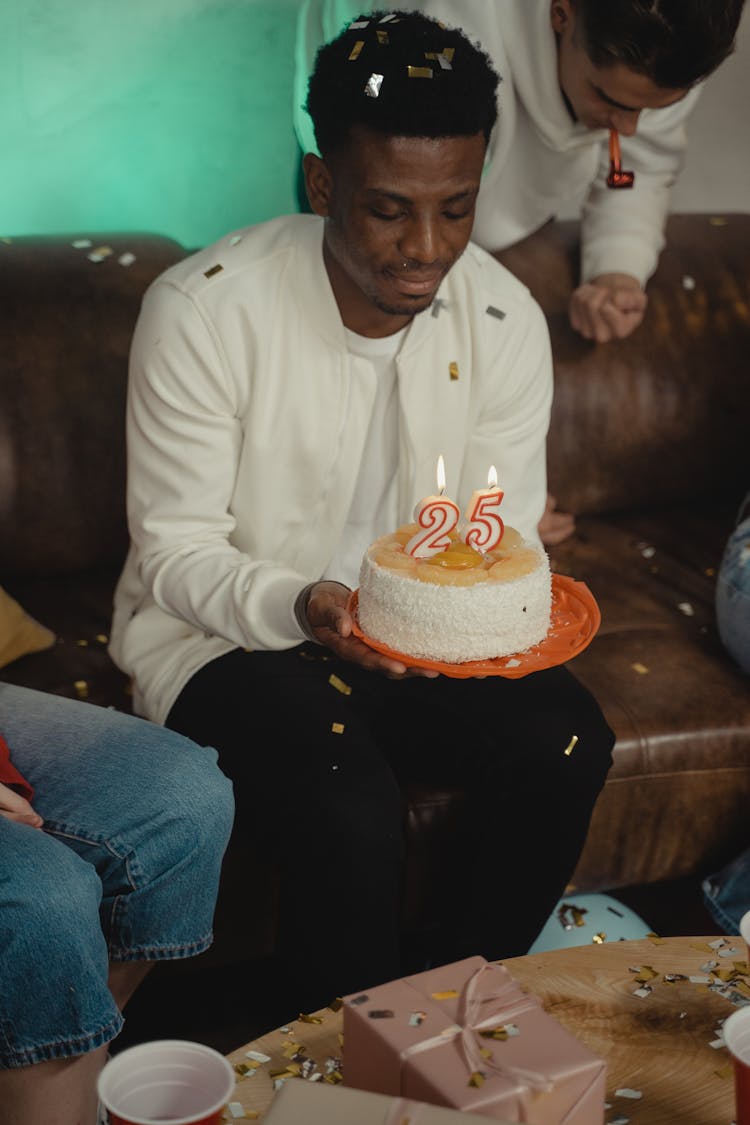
{"x":539,"y":160}
{"x":245,"y":433}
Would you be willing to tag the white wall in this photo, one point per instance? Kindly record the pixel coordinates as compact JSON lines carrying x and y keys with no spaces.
{"x":716,"y":176}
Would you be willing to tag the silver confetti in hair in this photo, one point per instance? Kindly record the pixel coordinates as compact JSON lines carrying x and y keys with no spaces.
{"x":373,"y":84}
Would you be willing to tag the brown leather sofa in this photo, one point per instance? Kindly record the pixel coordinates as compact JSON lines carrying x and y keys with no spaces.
{"x":648,"y":446}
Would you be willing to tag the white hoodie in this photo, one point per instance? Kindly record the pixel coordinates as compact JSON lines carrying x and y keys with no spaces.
{"x":539,"y":159}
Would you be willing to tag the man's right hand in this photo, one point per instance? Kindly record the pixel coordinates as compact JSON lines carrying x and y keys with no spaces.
{"x":330,"y":621}
{"x":15,"y":807}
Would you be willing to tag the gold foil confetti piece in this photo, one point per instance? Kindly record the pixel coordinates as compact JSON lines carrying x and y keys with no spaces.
{"x":710,"y":572}
{"x":126,"y":259}
{"x":646,"y":973}
{"x":82,"y":688}
{"x":571,"y":746}
{"x":258,"y":1057}
{"x":337,"y":728}
{"x":446,"y":994}
{"x":243,"y":1069}
{"x":627,"y":1092}
{"x":356,"y":50}
{"x":419,"y":71}
{"x":725,"y":975}
{"x":725,"y":1071}
{"x":213,"y":270}
{"x":501,"y":1033}
{"x":373,"y":84}
{"x":283,"y":1072}
{"x":702,"y":947}
{"x":453,"y":370}
{"x":100,"y":253}
{"x":654,"y":939}
{"x":82,"y":643}
{"x":686,"y":608}
{"x":102,"y":638}
{"x":717,"y":221}
{"x":336,"y":1004}
{"x":498,"y":313}
{"x":381,"y":1014}
{"x":485,"y":1052}
{"x":477,"y":1079}
{"x":290,"y":1050}
{"x":340,"y":1038}
{"x":334,"y":1077}
{"x":641,"y":669}
{"x":339,"y":684}
{"x":599,"y":939}
{"x":309,"y":1019}
{"x":382,"y":35}
{"x":742,"y":967}
{"x":564,"y":912}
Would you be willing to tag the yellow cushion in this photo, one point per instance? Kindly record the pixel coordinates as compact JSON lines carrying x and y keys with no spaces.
{"x":19,"y":633}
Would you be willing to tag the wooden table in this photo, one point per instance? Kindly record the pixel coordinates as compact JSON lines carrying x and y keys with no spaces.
{"x":658,"y":1044}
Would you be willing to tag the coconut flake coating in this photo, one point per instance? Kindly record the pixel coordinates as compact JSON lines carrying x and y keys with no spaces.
{"x":454,"y":624}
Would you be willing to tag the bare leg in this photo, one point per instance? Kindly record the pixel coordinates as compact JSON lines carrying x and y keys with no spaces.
{"x":63,"y":1091}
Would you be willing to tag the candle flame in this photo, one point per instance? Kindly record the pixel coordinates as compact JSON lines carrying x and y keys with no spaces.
{"x":441,"y":475}
{"x":492,"y":477}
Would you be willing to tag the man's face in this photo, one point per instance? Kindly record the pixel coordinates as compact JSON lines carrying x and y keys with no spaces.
{"x":399,"y":213}
{"x":610,"y":97}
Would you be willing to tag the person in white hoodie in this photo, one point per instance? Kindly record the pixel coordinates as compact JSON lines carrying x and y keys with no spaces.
{"x":291,"y":389}
{"x":571,"y":71}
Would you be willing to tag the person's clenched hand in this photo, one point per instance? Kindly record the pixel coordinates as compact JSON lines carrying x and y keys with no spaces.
{"x":608,"y":307}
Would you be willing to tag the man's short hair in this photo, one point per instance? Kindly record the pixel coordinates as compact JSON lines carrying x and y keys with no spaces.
{"x":402,"y":74}
{"x":675,"y":43}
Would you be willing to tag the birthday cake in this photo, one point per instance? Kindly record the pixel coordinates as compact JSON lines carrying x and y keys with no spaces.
{"x":457,"y":605}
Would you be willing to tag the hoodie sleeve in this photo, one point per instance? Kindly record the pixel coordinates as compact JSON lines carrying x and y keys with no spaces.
{"x":623,"y":231}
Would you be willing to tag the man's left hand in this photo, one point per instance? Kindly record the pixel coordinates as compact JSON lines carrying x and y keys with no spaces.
{"x":608,"y":307}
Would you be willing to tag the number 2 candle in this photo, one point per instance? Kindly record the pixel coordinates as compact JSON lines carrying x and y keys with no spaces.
{"x":437,"y":516}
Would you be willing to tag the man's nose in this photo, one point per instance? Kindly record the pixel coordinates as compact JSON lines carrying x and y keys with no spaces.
{"x":422,"y":242}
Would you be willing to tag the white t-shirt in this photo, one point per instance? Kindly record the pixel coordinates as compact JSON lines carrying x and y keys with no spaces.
{"x":374,"y":507}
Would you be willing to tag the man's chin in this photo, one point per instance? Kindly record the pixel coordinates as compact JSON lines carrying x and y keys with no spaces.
{"x":406,"y":306}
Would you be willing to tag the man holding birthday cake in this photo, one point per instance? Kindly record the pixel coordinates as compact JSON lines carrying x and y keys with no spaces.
{"x":292,"y":389}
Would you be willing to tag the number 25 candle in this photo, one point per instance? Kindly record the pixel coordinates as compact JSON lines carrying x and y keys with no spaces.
{"x":437,"y":516}
{"x":484,"y":528}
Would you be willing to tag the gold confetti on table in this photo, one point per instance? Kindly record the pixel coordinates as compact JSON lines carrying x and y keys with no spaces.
{"x":337,"y":728}
{"x":641,"y":669}
{"x":338,"y":683}
{"x":571,"y":746}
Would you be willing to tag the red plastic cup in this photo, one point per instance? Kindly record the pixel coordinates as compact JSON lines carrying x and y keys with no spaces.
{"x":737,"y":1039}
{"x":167,"y":1080}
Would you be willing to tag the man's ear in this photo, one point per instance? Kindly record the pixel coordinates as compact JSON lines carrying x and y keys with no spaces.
{"x":561,"y":15}
{"x":318,"y":183}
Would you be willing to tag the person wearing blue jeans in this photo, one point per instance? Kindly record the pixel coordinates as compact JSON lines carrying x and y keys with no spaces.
{"x":727,"y":892}
{"x":115,"y":865}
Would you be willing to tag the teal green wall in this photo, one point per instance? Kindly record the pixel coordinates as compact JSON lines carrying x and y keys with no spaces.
{"x":172,"y":116}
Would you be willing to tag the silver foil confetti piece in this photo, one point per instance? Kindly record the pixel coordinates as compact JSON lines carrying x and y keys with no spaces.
{"x":236,"y":1109}
{"x":619,"y":1120}
{"x":699,"y":979}
{"x":373,"y":84}
{"x":688,"y":282}
{"x":627,"y":1092}
{"x":358,"y":24}
{"x":81,"y":243}
{"x":127,"y":258}
{"x":686,"y":608}
{"x":437,"y":305}
{"x":644,"y":991}
{"x":495,"y":312}
{"x":360,"y":999}
{"x":100,"y":253}
{"x":389,"y":18}
{"x":235,"y":239}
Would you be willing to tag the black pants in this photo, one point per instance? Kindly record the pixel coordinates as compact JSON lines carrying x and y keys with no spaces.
{"x":318,"y":776}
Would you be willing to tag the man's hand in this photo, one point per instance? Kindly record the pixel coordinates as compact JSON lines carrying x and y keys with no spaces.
{"x":331,"y":623}
{"x":608,"y":307}
{"x":15,"y":807}
{"x":555,"y":526}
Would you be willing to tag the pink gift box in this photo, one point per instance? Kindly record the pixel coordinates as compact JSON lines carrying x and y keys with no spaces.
{"x":421,"y":1038}
{"x":301,"y":1102}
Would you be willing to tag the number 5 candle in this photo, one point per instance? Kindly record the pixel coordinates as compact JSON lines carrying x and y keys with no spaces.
{"x":437,"y":516}
{"x":484,"y":529}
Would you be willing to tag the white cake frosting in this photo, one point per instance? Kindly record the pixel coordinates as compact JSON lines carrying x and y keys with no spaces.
{"x":495,"y":607}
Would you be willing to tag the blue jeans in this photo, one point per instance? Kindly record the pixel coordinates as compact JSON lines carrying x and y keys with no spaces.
{"x":126,"y":867}
{"x":733,"y":591}
{"x":727,"y":893}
